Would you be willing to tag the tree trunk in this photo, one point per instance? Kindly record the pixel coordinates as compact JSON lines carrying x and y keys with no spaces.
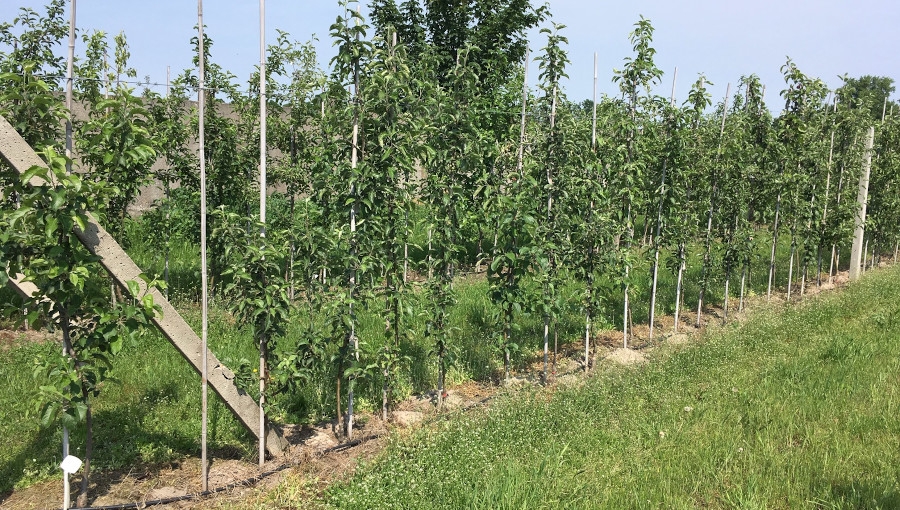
{"x":587,"y":340}
{"x":678,"y":284}
{"x":706,"y":259}
{"x":725,"y":305}
{"x":774,"y":245}
{"x":384,"y":396}
{"x":743,"y":282}
{"x":88,"y":451}
{"x":546,"y":348}
{"x":791,"y":266}
{"x":441,"y":376}
{"x":337,"y":401}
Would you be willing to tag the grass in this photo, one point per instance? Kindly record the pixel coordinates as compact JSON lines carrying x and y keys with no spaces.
{"x":150,"y":416}
{"x":794,"y":409}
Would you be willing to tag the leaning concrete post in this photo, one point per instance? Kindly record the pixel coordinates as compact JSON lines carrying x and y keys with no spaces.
{"x":20,"y":157}
{"x":862,"y":197}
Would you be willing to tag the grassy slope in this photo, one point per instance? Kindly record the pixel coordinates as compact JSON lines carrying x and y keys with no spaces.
{"x":799,"y":409}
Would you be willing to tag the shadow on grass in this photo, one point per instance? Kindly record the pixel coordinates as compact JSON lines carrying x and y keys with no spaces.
{"x":126,"y":438}
{"x":855,"y":494}
{"x":37,"y":452}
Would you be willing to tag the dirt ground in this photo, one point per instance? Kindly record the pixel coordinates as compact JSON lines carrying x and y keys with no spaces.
{"x":317,"y":457}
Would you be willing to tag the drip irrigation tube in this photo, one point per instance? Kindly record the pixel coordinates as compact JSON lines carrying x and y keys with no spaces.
{"x":249,"y":481}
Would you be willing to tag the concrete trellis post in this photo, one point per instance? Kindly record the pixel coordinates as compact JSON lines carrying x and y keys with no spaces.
{"x":856,"y":252}
{"x":20,"y":157}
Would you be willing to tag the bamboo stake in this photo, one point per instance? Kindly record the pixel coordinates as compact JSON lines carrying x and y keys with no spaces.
{"x":590,"y":277}
{"x":263,"y":341}
{"x":594,"y":109}
{"x":549,"y":219}
{"x":204,"y":289}
{"x":70,"y":71}
{"x":168,"y":200}
{"x":354,"y":155}
{"x":678,"y":285}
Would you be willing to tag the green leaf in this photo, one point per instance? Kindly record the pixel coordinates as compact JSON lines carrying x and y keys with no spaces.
{"x":133,"y":288}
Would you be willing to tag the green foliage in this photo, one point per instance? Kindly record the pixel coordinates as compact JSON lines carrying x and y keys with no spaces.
{"x":869,"y":94}
{"x":117,"y":146}
{"x":31,"y":104}
{"x":753,"y":416}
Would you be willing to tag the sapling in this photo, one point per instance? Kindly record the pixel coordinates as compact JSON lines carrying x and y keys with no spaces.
{"x":552,"y":64}
{"x":713,"y":189}
{"x":682,"y":225}
{"x":638,"y":72}
{"x":40,"y":242}
{"x":659,"y":218}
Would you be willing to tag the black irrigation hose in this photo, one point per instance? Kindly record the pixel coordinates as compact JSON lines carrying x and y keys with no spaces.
{"x":248,"y":481}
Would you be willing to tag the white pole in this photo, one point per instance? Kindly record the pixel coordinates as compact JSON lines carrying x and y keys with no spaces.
{"x":70,"y":66}
{"x":168,"y":203}
{"x":70,"y":78}
{"x":587,"y":314}
{"x":594,"y":114}
{"x":204,"y":288}
{"x":674,"y":80}
{"x":262,"y":217}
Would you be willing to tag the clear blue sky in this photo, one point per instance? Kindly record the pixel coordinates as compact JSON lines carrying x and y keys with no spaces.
{"x":723,"y":39}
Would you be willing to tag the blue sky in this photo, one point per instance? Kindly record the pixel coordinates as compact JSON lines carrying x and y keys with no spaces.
{"x":722,"y":39}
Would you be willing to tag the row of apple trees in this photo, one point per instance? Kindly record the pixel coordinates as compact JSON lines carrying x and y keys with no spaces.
{"x":422,"y":152}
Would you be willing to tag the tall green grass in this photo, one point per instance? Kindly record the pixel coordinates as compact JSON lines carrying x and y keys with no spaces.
{"x":798,"y":408}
